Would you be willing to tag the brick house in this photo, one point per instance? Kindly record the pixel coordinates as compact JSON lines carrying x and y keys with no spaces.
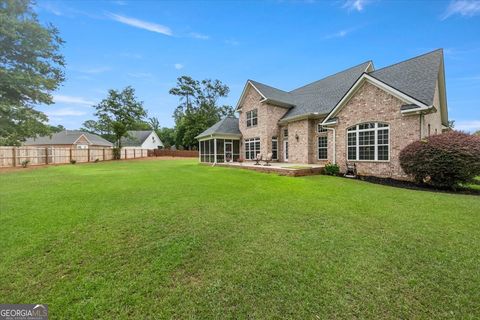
{"x":359,"y":115}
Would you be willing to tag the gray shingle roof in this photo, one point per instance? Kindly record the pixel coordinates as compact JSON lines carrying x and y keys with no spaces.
{"x":415,"y":77}
{"x":323,"y":95}
{"x":274,"y":94}
{"x":67,"y":137}
{"x":320,"y":96}
{"x":135,"y":138}
{"x":228,"y":125}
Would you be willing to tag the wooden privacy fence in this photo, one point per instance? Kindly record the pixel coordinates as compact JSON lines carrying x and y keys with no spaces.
{"x":14,"y":156}
{"x":172,"y":153}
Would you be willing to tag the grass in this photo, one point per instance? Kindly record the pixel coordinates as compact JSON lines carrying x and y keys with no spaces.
{"x":173,"y":239}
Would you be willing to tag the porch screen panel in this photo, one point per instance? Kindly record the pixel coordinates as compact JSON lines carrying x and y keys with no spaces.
{"x":220,"y":150}
{"x":236,"y":150}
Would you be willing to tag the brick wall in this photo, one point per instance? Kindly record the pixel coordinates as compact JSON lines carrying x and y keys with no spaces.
{"x":267,"y":127}
{"x":372,"y":104}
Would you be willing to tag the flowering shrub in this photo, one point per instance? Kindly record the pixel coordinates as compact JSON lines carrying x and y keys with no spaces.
{"x":443,"y":160}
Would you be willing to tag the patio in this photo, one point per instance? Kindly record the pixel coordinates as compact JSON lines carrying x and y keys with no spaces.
{"x":280,"y":168}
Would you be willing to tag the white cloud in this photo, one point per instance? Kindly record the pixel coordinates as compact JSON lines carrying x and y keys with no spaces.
{"x":469,"y":125}
{"x":52,"y":8}
{"x":357,"y":5}
{"x":339,"y":34}
{"x":95,"y":70}
{"x":120,"y":2}
{"x":58,"y":98}
{"x":150,"y":26}
{"x":140,"y":74}
{"x":65,"y":112}
{"x":178,"y":66}
{"x":199,"y":36}
{"x":465,"y":8}
{"x":232,"y":42}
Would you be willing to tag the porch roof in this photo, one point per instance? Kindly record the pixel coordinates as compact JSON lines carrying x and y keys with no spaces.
{"x":225,"y":127}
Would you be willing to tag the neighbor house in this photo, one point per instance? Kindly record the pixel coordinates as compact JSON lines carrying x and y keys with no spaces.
{"x":360,"y":115}
{"x":69,"y":139}
{"x":144,"y":139}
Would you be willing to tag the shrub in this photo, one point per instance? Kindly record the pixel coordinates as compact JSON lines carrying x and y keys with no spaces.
{"x":25,"y":163}
{"x":97,"y":160}
{"x":332,"y":169}
{"x":73,"y":161}
{"x":444,"y":160}
{"x":116,"y":153}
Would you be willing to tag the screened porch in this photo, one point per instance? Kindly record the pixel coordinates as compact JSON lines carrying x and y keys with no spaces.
{"x":219,"y":150}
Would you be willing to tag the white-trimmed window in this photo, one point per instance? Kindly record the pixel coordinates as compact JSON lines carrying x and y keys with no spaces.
{"x":252,"y":148}
{"x":321,"y":129}
{"x":274,"y":148}
{"x":252,"y":119}
{"x":368,"y":142}
{"x":322,"y":147}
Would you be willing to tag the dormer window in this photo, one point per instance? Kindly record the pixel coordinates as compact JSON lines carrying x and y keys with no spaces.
{"x":252,"y":119}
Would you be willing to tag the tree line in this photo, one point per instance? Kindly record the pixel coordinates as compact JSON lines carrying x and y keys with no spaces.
{"x":32,"y":67}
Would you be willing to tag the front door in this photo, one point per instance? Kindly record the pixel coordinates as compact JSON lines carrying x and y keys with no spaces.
{"x":285,"y":150}
{"x":228,"y":151}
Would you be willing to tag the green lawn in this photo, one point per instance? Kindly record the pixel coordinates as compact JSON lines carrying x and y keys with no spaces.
{"x":162,"y":239}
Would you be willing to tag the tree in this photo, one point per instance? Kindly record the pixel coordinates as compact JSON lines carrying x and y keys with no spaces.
{"x":154,"y":123}
{"x":31,"y":67}
{"x":167,"y":135}
{"x":117,"y":114}
{"x":477,"y":133}
{"x":198,"y":108}
{"x":58,"y":128}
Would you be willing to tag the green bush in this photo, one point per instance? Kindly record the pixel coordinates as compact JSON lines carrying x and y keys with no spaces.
{"x":445,"y":160}
{"x":332,"y":169}
{"x":116,"y":153}
{"x":25,"y":163}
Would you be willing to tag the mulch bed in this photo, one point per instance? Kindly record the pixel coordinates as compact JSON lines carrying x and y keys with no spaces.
{"x":415,"y":186}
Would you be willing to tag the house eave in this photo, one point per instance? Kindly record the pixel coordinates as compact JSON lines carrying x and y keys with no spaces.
{"x":313,"y":115}
{"x":219,"y":136}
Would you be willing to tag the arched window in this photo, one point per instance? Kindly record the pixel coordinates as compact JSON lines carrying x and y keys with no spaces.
{"x":368,"y":142}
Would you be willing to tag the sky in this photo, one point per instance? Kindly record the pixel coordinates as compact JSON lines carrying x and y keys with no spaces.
{"x":285,"y":44}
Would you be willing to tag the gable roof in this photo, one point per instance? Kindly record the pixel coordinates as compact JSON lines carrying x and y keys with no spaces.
{"x":416,"y":77}
{"x":135,"y":138}
{"x":274,"y":95}
{"x":226,"y":126}
{"x":68,"y":137}
{"x":323,"y":95}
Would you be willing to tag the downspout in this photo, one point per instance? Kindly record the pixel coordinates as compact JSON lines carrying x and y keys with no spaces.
{"x":334,"y":144}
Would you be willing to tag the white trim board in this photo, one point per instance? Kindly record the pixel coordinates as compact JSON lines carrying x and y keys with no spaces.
{"x":357,"y":85}
{"x":82,"y":135}
{"x":244,"y":92}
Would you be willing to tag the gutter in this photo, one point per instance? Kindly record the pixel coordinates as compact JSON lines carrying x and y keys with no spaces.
{"x":312,"y":115}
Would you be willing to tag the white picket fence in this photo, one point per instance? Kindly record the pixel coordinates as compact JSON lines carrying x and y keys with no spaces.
{"x":15,"y":156}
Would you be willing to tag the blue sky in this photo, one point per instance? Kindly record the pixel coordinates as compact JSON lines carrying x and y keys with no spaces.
{"x":286,"y":44}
